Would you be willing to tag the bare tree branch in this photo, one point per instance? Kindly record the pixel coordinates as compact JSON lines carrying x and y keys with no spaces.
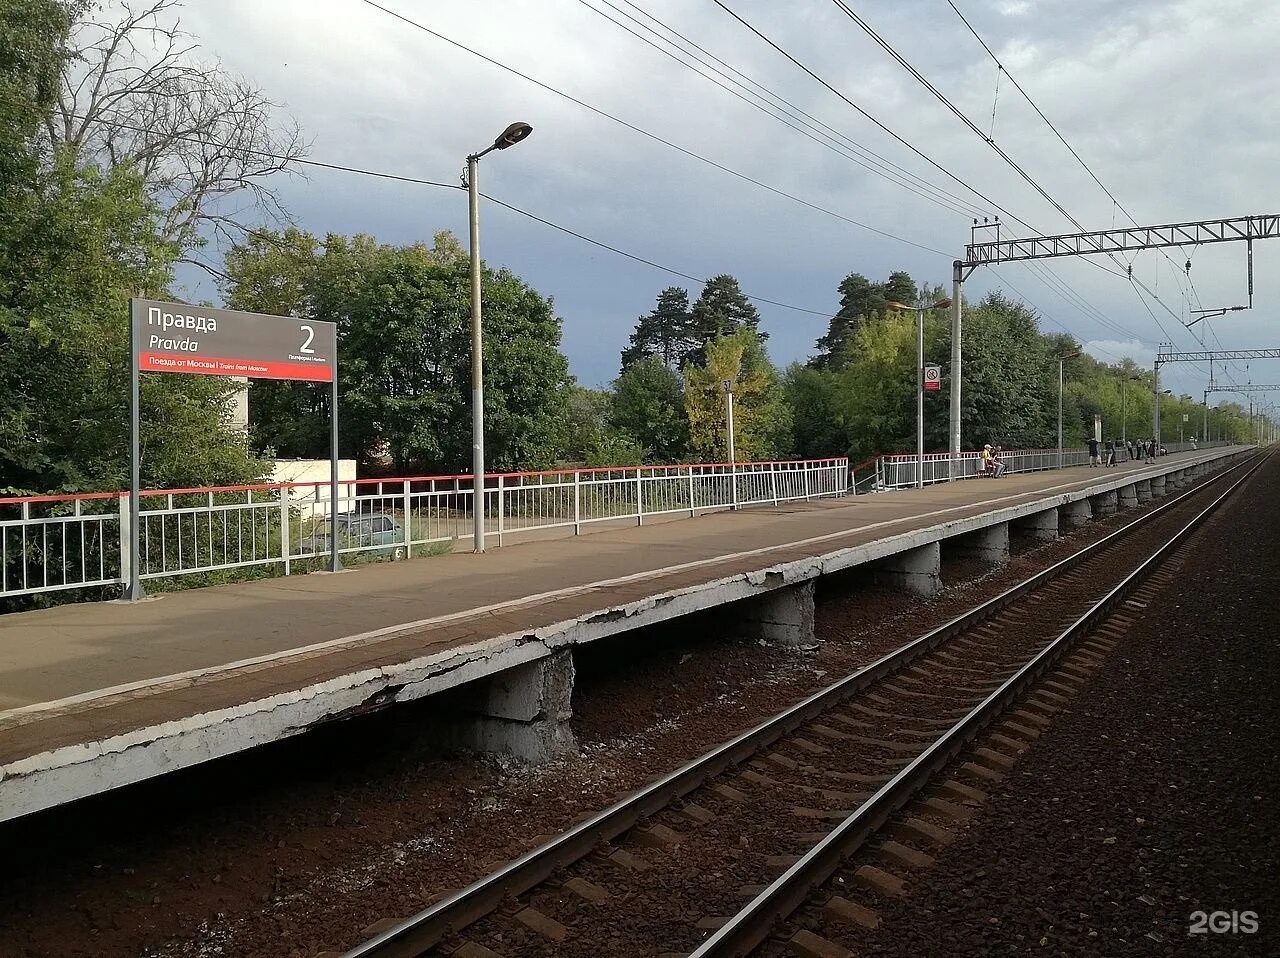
{"x":204,"y":141}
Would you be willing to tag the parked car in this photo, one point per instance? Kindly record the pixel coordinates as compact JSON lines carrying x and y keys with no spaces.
{"x":359,"y":530}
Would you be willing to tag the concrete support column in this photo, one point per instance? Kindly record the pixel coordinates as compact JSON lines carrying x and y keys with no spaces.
{"x":990,"y":544}
{"x":1158,"y":487}
{"x":523,"y":711}
{"x":916,"y":570}
{"x":1179,"y":478}
{"x":1106,"y":503}
{"x":1078,"y":513}
{"x":783,"y":616}
{"x":1128,"y":496}
{"x":1143,"y":489}
{"x":1041,"y":526}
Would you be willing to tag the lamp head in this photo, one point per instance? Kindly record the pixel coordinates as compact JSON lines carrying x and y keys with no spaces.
{"x":512,"y":135}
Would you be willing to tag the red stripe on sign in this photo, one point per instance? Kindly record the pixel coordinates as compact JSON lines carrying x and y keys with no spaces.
{"x":245,"y":368}
{"x":932,"y":386}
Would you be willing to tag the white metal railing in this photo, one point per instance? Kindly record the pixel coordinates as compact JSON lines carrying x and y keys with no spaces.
{"x":900,"y":471}
{"x":54,"y":543}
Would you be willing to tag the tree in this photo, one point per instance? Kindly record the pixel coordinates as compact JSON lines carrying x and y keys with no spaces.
{"x":136,"y":94}
{"x":403,"y":317}
{"x":648,"y":405}
{"x":81,"y":247}
{"x":860,"y":300}
{"x":665,"y":332}
{"x":762,"y":419}
{"x":32,"y":51}
{"x":814,"y":397}
{"x":589,"y":438}
{"x":75,"y":243}
{"x":721,"y":310}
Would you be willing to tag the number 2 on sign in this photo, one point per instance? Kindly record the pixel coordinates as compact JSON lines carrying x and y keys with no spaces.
{"x":311,"y":334}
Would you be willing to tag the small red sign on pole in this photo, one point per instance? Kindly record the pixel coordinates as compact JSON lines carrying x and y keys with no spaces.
{"x":932,"y":379}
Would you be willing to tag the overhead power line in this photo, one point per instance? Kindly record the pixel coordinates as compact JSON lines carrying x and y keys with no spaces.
{"x":772,"y":104}
{"x":1051,"y":278}
{"x":990,"y":141}
{"x":614,"y":118}
{"x":420,"y":181}
{"x":1058,"y":133}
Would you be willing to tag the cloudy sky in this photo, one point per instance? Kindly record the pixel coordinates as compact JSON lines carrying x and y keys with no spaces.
{"x":1171,"y":103}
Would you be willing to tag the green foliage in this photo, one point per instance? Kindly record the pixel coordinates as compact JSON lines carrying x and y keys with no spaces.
{"x":819,"y":429}
{"x":33,"y":35}
{"x":403,"y":316}
{"x":587,"y":437}
{"x":860,"y":299}
{"x":665,"y":332}
{"x":762,"y":419}
{"x":721,"y":310}
{"x":648,"y":405}
{"x":73,"y":251}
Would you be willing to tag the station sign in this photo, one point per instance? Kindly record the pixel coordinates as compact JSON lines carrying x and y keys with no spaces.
{"x":932,"y":379}
{"x":177,"y":338}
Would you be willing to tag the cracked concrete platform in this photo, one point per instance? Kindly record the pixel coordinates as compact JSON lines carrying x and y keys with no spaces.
{"x":99,"y":695}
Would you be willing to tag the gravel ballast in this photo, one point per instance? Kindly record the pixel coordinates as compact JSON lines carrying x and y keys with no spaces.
{"x":1152,"y":797}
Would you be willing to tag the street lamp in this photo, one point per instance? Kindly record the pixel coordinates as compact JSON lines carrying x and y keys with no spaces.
{"x":728,"y":423}
{"x":508,"y":138}
{"x":920,"y":310}
{"x":1062,"y":359}
{"x":1157,"y":436}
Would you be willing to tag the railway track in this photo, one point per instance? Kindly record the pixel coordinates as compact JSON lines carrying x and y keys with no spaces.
{"x":725,"y":854}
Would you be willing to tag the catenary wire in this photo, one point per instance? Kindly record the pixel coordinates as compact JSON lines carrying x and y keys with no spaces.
{"x":778,"y":107}
{"x":1000,"y":151}
{"x":420,"y":181}
{"x":614,"y":118}
{"x":1088,"y":307}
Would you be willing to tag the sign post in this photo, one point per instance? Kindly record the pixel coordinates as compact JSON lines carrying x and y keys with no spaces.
{"x":177,"y":338}
{"x":932,"y":379}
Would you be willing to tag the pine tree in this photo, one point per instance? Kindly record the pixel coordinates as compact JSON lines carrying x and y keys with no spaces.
{"x":721,"y":310}
{"x":664,"y":332}
{"x":860,"y":299}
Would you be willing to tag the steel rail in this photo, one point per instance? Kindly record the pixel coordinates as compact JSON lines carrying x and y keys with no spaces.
{"x":417,"y":934}
{"x":752,"y":925}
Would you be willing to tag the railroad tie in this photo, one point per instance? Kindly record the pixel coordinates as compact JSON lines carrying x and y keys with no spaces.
{"x":587,"y":890}
{"x":471,"y":949}
{"x":698,"y":813}
{"x":960,"y":813}
{"x":850,"y":912}
{"x":920,"y":830}
{"x":808,"y":945}
{"x":905,"y":854}
{"x":880,"y":881}
{"x":541,"y":924}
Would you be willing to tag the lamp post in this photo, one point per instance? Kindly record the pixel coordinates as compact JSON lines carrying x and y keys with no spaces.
{"x":920,"y":309}
{"x":509,"y":137}
{"x":728,"y":424}
{"x":1061,"y":360}
{"x":1156,"y":438}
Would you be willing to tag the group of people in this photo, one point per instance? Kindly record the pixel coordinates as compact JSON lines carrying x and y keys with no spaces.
{"x":993,"y":464}
{"x":1146,"y":449}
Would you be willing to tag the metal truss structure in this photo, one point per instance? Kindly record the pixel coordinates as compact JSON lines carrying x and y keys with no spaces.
{"x":1246,"y":388}
{"x":1122,"y":240}
{"x":1167,"y":355}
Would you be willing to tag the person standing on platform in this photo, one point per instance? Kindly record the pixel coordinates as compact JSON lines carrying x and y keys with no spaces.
{"x":1111,"y":452}
{"x":1093,"y":453}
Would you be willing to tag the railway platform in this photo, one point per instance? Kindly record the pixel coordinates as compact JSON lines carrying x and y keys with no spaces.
{"x":96,"y":696}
